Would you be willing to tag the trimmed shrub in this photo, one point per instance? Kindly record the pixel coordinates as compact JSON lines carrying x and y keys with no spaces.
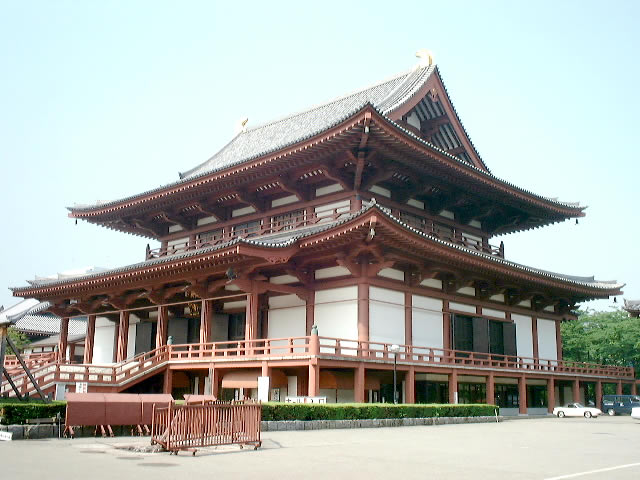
{"x":15,"y":412}
{"x":364,"y":411}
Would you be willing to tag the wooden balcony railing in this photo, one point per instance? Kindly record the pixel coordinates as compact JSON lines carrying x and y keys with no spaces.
{"x":297,"y":347}
{"x":270,"y":226}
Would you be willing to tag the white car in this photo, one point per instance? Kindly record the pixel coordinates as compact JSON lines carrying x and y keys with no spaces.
{"x":576,"y":410}
{"x":635,"y":413}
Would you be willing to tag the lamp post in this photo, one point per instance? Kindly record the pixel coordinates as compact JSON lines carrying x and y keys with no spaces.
{"x":395,"y":349}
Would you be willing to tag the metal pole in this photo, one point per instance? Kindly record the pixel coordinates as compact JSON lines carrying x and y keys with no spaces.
{"x":395,"y":390}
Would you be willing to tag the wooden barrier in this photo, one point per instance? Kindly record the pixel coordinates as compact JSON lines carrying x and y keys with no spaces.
{"x":191,"y":426}
{"x":104,"y":410}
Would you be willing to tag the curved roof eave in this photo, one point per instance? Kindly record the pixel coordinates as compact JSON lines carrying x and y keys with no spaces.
{"x":584,"y":282}
{"x":167,"y":189}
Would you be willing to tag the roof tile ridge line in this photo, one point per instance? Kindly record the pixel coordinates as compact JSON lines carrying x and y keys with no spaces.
{"x":411,"y":92}
{"x":182,"y":175}
{"x":573,"y":205}
{"x":446,"y":91}
{"x":328,"y":102}
{"x":206,"y":173}
{"x":169,"y":258}
{"x":515,"y":265}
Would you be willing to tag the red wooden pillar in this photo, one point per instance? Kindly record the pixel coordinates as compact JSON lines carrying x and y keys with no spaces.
{"x":410,"y":386}
{"x":64,"y":338}
{"x":534,"y":335}
{"x":123,"y":336}
{"x":491,"y":389}
{"x":576,"y":390}
{"x":215,"y":381}
{"x":206,"y":315}
{"x":446,"y":326}
{"x":363,"y":315}
{"x":522,"y":395}
{"x":618,"y":388}
{"x":408,"y":319}
{"x":551,"y":394}
{"x":599,"y":394}
{"x":359,"y":384}
{"x":89,"y":341}
{"x":634,"y":388}
{"x":251,"y":319}
{"x":162,"y":326}
{"x":310,"y":312}
{"x":453,"y":387}
{"x":559,"y":340}
{"x":167,"y":384}
{"x":314,"y":378}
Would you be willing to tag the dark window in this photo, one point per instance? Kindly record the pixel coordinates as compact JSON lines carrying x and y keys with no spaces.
{"x":249,"y":229}
{"x":287,"y":221}
{"x":432,"y":392}
{"x":463,"y":333}
{"x":414,"y":221}
{"x":536,"y":396}
{"x":507,"y":396}
{"x":477,"y":334}
{"x":472,"y":393}
{"x":212,"y":236}
{"x":236,"y":326}
{"x":496,"y":338}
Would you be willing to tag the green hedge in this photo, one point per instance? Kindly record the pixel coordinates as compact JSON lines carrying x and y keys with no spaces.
{"x":363,"y":411}
{"x":14,"y":412}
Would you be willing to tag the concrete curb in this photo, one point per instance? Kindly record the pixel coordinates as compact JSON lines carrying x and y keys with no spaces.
{"x":284,"y":425}
{"x":33,"y":432}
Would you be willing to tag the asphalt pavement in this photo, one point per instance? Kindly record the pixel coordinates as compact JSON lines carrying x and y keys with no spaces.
{"x":544,"y":448}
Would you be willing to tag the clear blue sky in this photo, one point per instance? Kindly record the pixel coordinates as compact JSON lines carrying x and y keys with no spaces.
{"x":101,"y":100}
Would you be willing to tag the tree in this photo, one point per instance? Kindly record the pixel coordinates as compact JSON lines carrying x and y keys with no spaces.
{"x":18,"y":338}
{"x":607,"y":338}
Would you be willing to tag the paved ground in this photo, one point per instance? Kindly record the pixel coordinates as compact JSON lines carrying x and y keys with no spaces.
{"x":548,"y":448}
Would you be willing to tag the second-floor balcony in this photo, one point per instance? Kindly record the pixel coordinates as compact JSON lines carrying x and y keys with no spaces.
{"x":301,"y":219}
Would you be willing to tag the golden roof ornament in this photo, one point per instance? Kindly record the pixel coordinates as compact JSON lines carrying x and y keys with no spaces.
{"x":425,"y":58}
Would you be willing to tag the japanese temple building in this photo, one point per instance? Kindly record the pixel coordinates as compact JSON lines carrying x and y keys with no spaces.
{"x":314,"y":249}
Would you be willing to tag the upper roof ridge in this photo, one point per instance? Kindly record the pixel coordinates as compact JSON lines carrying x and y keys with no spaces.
{"x":249,"y":142}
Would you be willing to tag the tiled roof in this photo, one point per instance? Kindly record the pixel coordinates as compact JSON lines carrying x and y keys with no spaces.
{"x":275,"y":135}
{"x":292,"y":129}
{"x":287,"y":238}
{"x":632,"y":306}
{"x":53,"y":340}
{"x":48,"y":323}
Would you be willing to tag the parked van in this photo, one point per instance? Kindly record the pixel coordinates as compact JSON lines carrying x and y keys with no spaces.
{"x":619,"y":404}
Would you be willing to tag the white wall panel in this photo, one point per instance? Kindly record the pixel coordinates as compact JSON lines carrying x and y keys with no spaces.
{"x":427,"y":325}
{"x":392,"y":273}
{"x":524,"y":337}
{"x":386,"y":316}
{"x":331,"y":272}
{"x":462,"y":307}
{"x":547,"y":346}
{"x":336,"y":312}
{"x":494,"y":313}
{"x":103,"y":342}
{"x":287,"y":317}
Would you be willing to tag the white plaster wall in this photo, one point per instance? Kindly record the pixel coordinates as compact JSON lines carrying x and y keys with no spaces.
{"x":547,"y":346}
{"x":336,"y":312}
{"x":335,"y":187}
{"x":331,"y":272}
{"x":287,"y":317}
{"x":131,"y":341}
{"x":467,"y":291}
{"x":386,"y":316}
{"x":432,"y":282}
{"x":427,"y":325}
{"x":392,"y":273}
{"x":103,"y":341}
{"x":524,"y":337}
{"x":462,"y":307}
{"x":493,"y":313}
